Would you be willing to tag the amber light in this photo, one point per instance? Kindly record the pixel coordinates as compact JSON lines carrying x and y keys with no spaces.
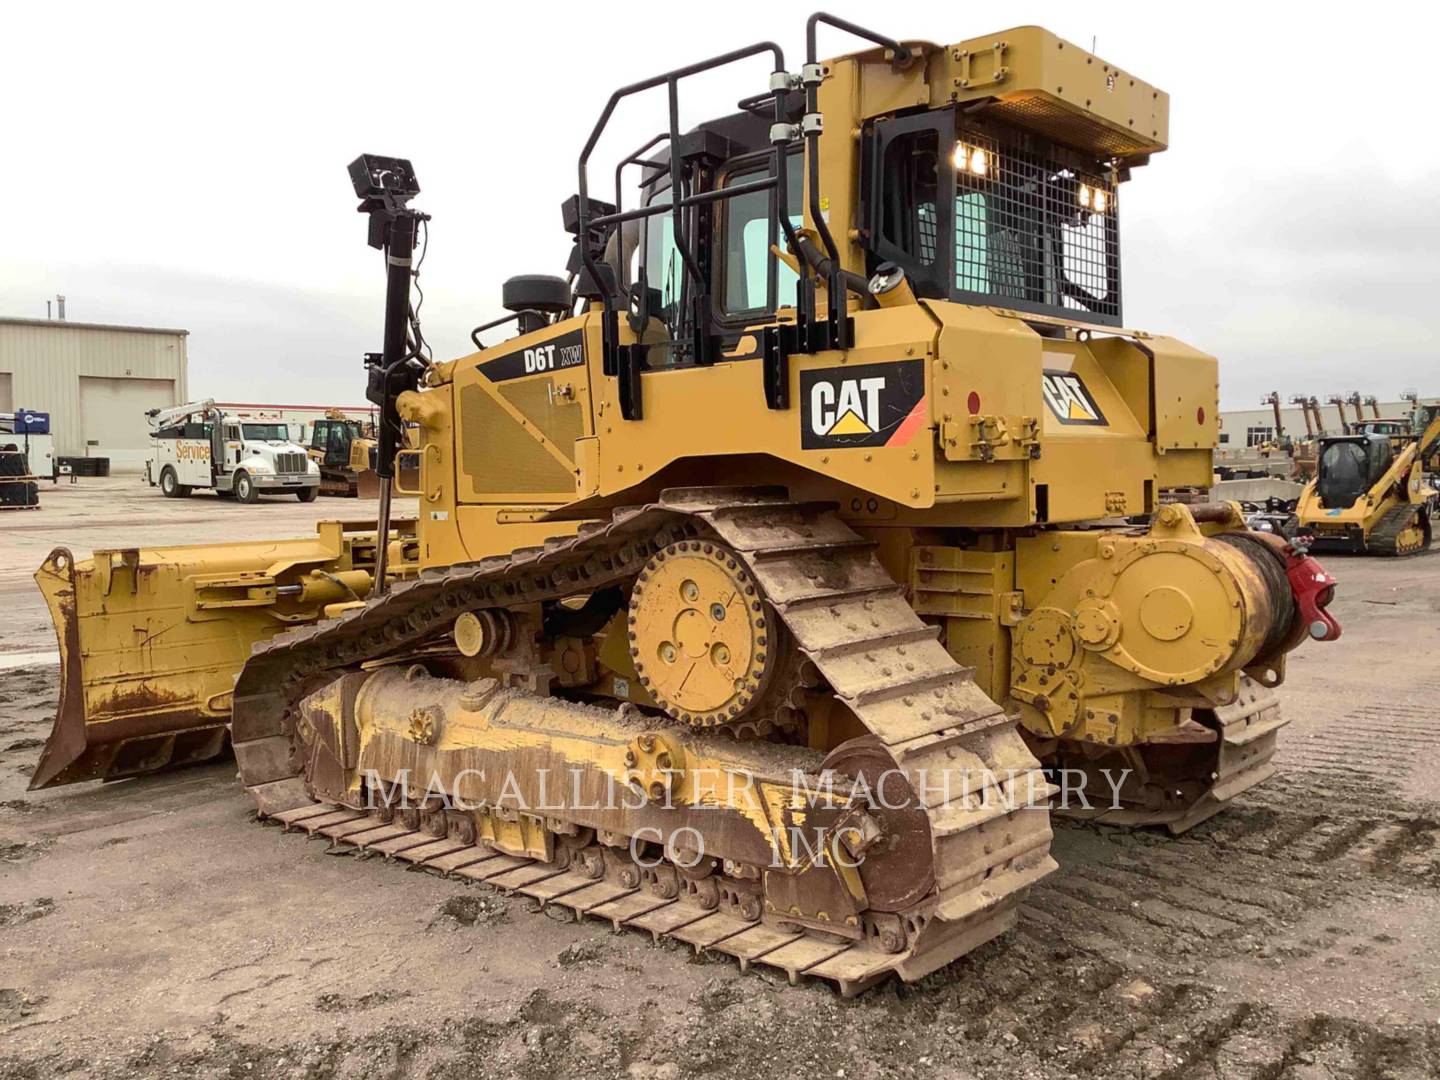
{"x":972,"y":159}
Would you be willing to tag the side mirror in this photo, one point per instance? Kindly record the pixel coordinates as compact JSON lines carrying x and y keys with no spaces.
{"x":570,"y":212}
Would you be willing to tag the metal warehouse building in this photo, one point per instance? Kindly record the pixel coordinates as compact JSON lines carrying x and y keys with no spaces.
{"x":95,"y":381}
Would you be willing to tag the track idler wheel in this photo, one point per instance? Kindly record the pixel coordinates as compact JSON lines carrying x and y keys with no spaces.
{"x":898,"y":868}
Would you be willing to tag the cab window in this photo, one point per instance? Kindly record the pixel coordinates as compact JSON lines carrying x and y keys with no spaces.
{"x":908,"y":218}
{"x":745,"y":250}
{"x":267,"y":432}
{"x":663,"y":269}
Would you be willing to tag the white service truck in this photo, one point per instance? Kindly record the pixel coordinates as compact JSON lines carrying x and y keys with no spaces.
{"x":245,"y":456}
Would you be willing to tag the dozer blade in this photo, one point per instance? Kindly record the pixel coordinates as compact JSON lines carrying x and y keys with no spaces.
{"x":151,"y":640}
{"x":367,"y":484}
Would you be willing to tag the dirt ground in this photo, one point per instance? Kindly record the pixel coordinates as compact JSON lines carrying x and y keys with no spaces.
{"x":151,"y":927}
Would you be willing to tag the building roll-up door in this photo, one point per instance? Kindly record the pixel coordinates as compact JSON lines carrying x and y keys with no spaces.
{"x":112,"y":417}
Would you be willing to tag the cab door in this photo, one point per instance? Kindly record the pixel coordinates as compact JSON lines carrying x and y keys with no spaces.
{"x":233,"y":447}
{"x":320,"y":436}
{"x":337,"y":450}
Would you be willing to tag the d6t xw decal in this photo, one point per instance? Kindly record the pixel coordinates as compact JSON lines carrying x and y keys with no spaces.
{"x":565,"y":351}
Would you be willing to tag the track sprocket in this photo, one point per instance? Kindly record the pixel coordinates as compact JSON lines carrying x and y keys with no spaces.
{"x":700,"y":636}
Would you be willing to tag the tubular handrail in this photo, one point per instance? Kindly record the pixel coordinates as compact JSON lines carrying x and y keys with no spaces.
{"x":838,"y":279}
{"x":835,"y":287}
{"x":679,"y":200}
{"x":634,"y":158}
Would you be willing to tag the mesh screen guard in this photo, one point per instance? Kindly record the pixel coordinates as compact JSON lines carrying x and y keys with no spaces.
{"x":1030,"y":227}
{"x":1032,"y":230}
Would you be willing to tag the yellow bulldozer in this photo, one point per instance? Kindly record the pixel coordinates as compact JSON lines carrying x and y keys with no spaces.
{"x":345,"y":450}
{"x":1371,"y":493}
{"x":801,"y":548}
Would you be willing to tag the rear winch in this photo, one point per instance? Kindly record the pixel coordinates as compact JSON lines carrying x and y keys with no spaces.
{"x":1173,"y":612}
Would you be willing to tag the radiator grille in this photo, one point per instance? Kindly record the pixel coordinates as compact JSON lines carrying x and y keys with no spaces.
{"x":557,"y":421}
{"x":290,"y":463}
{"x":498,"y":457}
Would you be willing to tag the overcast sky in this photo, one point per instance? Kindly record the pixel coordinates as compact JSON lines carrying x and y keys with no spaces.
{"x":184,"y":165}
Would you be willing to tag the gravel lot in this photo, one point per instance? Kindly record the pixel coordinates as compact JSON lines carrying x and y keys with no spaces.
{"x":151,"y":927}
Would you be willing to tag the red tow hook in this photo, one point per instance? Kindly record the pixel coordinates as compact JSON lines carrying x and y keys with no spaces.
{"x":1314,"y":588}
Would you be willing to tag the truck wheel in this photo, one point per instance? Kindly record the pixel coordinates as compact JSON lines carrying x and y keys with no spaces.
{"x":307,"y":494}
{"x":244,"y":488}
{"x":170,"y":484}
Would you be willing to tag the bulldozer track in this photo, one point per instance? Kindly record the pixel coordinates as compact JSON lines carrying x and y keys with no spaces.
{"x":1386,"y":537}
{"x":848,"y":618}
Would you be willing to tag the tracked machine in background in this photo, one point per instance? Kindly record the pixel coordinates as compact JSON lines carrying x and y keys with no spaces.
{"x":1371,"y":494}
{"x":345,"y":450}
{"x":819,"y":463}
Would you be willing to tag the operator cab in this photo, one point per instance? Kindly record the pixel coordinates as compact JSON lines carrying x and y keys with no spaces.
{"x":333,"y":439}
{"x":1350,"y":465}
{"x":997,"y":198}
{"x":746,"y":283}
{"x":977,"y":215}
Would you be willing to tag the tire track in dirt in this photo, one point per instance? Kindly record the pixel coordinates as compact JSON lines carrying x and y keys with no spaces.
{"x":1328,"y":829}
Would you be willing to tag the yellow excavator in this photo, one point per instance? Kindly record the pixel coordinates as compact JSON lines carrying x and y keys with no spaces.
{"x":782,"y":570}
{"x":1371,"y":494}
